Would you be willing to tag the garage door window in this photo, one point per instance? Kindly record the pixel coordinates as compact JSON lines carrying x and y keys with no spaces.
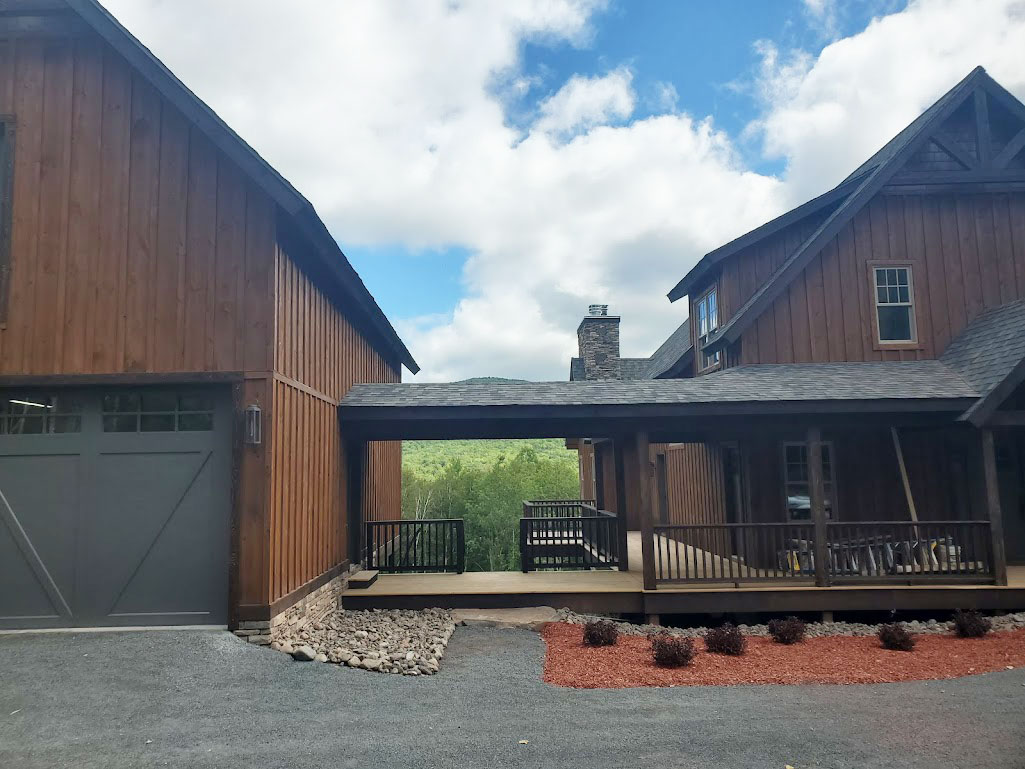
{"x":34,"y":414}
{"x":157,"y":412}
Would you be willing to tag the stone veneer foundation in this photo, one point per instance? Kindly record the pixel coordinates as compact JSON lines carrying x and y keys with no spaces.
{"x":308,"y":609}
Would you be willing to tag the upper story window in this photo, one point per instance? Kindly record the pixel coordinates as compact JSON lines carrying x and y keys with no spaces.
{"x":706,"y":311}
{"x":895,"y":304}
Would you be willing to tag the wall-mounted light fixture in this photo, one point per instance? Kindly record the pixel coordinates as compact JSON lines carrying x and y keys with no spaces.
{"x":254,"y":425}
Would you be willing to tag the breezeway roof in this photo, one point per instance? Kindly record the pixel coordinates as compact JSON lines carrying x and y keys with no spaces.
{"x":905,"y":381}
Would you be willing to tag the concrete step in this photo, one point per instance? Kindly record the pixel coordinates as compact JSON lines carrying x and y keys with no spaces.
{"x":363,"y":579}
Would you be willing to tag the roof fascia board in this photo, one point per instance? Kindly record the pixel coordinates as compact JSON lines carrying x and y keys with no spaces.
{"x":709,"y":260}
{"x":378,"y":414}
{"x":871,"y":184}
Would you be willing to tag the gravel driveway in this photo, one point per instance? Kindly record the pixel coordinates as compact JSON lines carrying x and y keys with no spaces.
{"x":204,"y":698}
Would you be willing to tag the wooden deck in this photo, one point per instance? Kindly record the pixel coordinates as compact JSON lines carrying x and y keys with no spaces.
{"x":623,"y":592}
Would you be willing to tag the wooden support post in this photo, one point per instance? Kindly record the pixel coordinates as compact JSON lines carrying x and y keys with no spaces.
{"x":816,"y":492}
{"x":356,"y":458}
{"x":620,"y":509}
{"x":996,"y":520}
{"x":644,"y":508}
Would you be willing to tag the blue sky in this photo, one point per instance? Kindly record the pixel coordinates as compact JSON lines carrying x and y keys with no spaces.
{"x":706,"y":51}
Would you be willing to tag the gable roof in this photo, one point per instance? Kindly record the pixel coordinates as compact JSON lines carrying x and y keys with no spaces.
{"x":705,"y":265}
{"x":989,"y":354}
{"x":863,"y":183}
{"x":298,"y":208}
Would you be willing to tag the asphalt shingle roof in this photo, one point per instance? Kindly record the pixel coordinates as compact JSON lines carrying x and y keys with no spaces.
{"x":907,"y":380}
{"x":671,"y":350}
{"x":990,"y":347}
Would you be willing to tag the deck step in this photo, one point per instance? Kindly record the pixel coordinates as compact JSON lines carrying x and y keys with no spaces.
{"x":363,"y":579}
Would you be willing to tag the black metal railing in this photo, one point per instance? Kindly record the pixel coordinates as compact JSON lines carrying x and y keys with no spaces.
{"x":734,"y":552}
{"x":405,"y":546}
{"x":568,"y":534}
{"x":870,"y":551}
{"x":890,"y":551}
{"x":559,"y":508}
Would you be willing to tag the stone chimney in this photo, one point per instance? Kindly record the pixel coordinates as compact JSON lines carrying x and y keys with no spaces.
{"x":598,"y":340}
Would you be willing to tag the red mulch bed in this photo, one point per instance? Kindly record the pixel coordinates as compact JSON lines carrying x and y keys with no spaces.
{"x":833,"y":660}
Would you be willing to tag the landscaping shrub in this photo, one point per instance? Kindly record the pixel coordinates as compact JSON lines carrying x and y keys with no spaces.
{"x":726,"y":639}
{"x":893,"y":636}
{"x":787,"y":631}
{"x":971,"y":624}
{"x":672,"y":651}
{"x":601,"y":633}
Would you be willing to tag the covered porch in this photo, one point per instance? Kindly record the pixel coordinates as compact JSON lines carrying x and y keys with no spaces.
{"x":920,"y":525}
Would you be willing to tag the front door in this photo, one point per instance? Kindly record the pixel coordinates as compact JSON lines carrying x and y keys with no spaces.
{"x":1011,"y":473}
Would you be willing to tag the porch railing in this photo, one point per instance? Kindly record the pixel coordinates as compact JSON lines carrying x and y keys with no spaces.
{"x":404,"y":546}
{"x":559,"y":508}
{"x":872,"y":551}
{"x":568,"y":534}
{"x":947,"y":551}
{"x":734,"y":552}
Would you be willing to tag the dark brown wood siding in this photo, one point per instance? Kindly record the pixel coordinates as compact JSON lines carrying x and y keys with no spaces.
{"x":967,"y":254}
{"x":742,"y":274}
{"x":694,"y":475}
{"x":867,"y":476}
{"x":319,"y":355}
{"x":136,"y":245}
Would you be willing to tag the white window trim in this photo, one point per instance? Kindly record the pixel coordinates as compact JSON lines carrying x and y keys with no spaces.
{"x":831,"y":515}
{"x":910,"y":304}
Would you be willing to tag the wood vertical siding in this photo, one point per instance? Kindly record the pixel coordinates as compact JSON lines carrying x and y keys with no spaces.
{"x":318,"y":356}
{"x":139,"y":247}
{"x":694,"y":475}
{"x":967,"y":254}
{"x":136,"y":246}
{"x":585,"y":463}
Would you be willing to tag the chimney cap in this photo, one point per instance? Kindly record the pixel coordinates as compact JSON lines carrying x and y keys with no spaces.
{"x":598,"y":309}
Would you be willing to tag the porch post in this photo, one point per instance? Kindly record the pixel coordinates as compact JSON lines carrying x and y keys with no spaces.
{"x":356,"y":458}
{"x":621,"y":523}
{"x":816,"y":493}
{"x":996,"y":519}
{"x":644,"y":509}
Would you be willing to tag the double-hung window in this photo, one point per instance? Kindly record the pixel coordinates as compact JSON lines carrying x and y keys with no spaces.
{"x":894,"y":304}
{"x":706,"y":312}
{"x":797,"y":484}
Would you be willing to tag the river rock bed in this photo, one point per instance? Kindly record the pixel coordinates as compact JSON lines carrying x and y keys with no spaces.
{"x":393,"y":641}
{"x":813,"y":629}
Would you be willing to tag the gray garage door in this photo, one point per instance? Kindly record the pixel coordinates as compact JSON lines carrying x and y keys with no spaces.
{"x":114,"y":507}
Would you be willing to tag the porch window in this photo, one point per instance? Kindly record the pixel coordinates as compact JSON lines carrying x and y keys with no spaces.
{"x":706,"y":310}
{"x":895,"y":310}
{"x":795,"y":475}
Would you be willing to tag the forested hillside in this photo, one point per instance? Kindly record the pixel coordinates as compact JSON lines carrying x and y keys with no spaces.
{"x":485,"y":483}
{"x":429,"y":458}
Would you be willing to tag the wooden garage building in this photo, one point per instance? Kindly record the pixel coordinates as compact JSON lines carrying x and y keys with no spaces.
{"x":177,"y":327}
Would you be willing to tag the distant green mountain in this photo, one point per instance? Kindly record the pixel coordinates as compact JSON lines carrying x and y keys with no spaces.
{"x":428,"y":458}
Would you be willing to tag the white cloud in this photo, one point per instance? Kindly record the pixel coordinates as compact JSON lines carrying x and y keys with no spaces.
{"x":825,"y":115}
{"x":585,"y":102}
{"x":389,"y":116}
